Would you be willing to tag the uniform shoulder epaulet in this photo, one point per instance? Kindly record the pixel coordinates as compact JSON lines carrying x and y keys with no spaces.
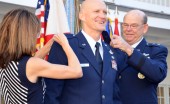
{"x":153,"y":44}
{"x":69,"y":35}
{"x":107,"y":46}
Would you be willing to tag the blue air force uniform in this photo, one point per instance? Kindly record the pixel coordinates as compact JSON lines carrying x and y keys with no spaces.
{"x":140,"y":74}
{"x":93,"y":87}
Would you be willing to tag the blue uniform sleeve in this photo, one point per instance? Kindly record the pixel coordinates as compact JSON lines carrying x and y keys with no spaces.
{"x":153,"y":67}
{"x":54,"y":86}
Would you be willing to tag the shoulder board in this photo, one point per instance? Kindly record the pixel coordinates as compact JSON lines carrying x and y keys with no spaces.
{"x":109,"y":50}
{"x":69,"y":35}
{"x":106,"y":45}
{"x":153,"y":44}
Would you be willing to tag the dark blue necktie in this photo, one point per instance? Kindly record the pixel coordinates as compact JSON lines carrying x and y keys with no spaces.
{"x":98,"y":57}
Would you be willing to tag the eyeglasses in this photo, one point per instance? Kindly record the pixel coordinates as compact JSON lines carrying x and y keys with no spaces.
{"x":132,"y":26}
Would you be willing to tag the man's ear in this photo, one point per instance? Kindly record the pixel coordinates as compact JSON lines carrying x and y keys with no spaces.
{"x":145,"y":28}
{"x":81,"y":16}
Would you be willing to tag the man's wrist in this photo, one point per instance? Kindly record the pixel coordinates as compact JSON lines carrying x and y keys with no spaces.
{"x":130,"y":51}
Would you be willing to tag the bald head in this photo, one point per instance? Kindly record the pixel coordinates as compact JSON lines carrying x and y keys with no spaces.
{"x":93,"y":17}
{"x":137,"y":13}
{"x":89,"y":3}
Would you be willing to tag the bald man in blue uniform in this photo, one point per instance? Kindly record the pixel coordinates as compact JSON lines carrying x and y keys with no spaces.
{"x":95,"y":87}
{"x":141,"y":65}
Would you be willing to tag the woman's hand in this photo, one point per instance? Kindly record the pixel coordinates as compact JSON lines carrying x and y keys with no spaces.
{"x":61,"y":39}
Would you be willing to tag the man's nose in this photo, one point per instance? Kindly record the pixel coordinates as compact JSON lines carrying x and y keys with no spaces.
{"x":128,"y":27}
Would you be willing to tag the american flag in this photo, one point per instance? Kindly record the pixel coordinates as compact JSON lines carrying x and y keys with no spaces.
{"x":53,"y":20}
{"x":42,"y":12}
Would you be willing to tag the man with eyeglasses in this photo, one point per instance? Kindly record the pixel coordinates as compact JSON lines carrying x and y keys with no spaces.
{"x":141,"y":65}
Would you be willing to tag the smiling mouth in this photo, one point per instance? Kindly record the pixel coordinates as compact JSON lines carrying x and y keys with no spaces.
{"x":102,"y":22}
{"x":128,"y":34}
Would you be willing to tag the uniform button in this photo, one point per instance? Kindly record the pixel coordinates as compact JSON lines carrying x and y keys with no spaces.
{"x":103,"y":97}
{"x":102,"y":81}
{"x":120,"y":76}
